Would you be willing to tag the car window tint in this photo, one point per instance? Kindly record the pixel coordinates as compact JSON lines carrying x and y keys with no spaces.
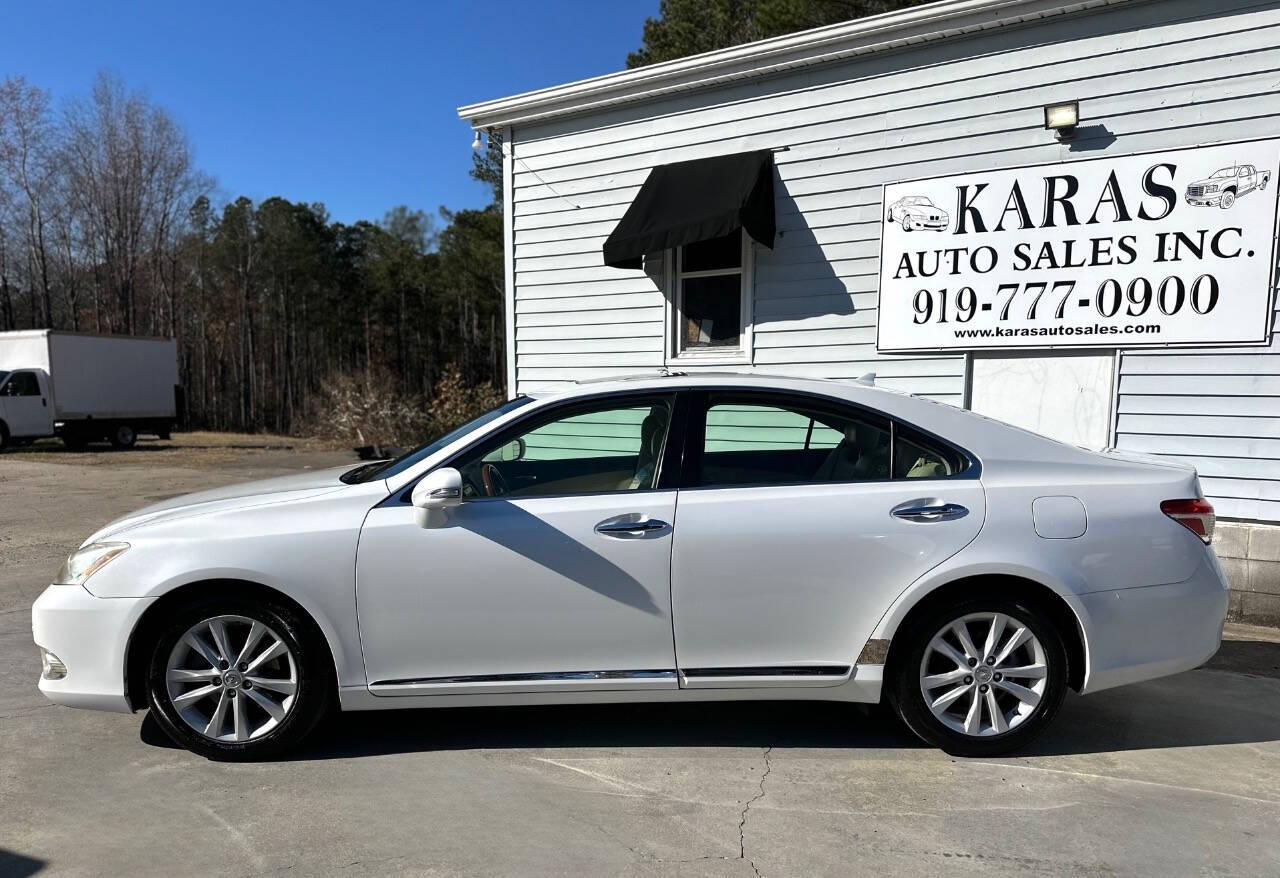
{"x":597,"y":448}
{"x":755,"y":444}
{"x":916,"y":457}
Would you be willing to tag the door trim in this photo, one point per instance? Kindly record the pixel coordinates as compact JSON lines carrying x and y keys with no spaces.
{"x":534,"y":682}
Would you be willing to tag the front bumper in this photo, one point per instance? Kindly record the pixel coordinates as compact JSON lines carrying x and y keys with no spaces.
{"x":1136,"y":634}
{"x":1213,"y":199}
{"x":90,"y":635}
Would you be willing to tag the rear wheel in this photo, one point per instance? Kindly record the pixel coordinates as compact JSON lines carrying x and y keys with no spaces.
{"x":981,"y":678}
{"x":237,"y":679}
{"x":123,"y":436}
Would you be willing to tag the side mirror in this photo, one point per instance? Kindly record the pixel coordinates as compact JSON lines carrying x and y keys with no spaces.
{"x":437,"y":491}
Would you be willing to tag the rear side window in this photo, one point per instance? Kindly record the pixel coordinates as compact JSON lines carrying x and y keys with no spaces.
{"x":918,"y":457}
{"x":755,"y":440}
{"x":753,"y":444}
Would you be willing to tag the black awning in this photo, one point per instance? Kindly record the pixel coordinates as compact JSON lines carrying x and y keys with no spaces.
{"x":687,"y":202}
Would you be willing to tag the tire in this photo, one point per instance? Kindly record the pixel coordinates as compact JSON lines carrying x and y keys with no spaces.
{"x":298,"y":682}
{"x":906,"y":224}
{"x":890,"y":216}
{"x":123,"y":436}
{"x":1228,"y":199}
{"x":1023,"y":721}
{"x":4,"y":436}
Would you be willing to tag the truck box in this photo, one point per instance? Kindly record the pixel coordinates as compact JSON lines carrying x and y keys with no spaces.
{"x":99,"y":382}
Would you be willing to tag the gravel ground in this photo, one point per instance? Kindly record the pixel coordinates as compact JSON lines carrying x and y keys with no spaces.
{"x":1175,"y":777}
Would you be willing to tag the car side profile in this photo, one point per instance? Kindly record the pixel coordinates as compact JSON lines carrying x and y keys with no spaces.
{"x":668,"y":538}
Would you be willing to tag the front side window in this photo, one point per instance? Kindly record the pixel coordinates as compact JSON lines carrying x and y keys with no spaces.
{"x":22,"y":384}
{"x":600,"y":447}
{"x":750,"y":441}
{"x":711,"y":297}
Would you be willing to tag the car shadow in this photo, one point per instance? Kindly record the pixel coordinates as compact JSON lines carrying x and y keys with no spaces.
{"x":1195,"y":709}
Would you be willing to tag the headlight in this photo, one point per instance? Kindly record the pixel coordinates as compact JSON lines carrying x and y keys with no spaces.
{"x":83,"y":563}
{"x":1212,"y":187}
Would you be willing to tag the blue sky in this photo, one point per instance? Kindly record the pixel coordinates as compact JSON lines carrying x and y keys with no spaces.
{"x":350,"y":104}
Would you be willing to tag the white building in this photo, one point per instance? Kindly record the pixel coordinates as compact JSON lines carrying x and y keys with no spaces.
{"x":1110,"y":283}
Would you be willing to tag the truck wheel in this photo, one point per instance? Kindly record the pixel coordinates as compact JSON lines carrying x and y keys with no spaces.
{"x":1228,"y":199}
{"x":123,"y":436}
{"x":4,"y":436}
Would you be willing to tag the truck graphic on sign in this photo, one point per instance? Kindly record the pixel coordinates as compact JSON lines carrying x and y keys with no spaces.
{"x":1225,"y":185}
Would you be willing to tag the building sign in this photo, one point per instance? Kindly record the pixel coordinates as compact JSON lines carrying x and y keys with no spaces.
{"x":1167,"y":248}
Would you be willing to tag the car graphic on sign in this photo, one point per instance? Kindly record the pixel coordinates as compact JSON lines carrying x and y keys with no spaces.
{"x":918,"y":212}
{"x":1225,"y":185}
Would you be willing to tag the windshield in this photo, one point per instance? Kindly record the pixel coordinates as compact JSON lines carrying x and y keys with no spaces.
{"x":3,"y":376}
{"x":1225,"y":172}
{"x":916,"y":199}
{"x":387,"y":468}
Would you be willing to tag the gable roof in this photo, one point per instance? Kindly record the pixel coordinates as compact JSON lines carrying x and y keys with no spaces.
{"x":945,"y":19}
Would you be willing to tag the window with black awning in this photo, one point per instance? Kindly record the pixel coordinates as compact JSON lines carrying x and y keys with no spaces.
{"x":688,"y":202}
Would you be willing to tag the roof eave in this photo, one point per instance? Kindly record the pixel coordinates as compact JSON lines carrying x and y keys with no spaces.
{"x":876,"y":33}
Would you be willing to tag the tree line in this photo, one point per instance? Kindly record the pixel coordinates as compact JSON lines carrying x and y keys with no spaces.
{"x":285,"y":319}
{"x":107,"y":226}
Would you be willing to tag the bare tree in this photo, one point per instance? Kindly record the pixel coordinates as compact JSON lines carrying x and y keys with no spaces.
{"x":26,"y":146}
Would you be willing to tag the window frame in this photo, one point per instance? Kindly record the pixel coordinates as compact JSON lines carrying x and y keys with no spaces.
{"x":674,"y":317}
{"x":691,"y":475}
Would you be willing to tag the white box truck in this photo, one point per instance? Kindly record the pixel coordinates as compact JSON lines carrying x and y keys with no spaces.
{"x":84,"y":387}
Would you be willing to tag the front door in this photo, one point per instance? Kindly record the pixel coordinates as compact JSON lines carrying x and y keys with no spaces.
{"x":554,"y":572}
{"x":803,"y":522}
{"x":26,"y":405}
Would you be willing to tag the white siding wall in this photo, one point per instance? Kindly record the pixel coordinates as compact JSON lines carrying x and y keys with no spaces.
{"x":1149,"y":76}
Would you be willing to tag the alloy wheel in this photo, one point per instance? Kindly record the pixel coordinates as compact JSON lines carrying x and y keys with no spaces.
{"x":983,"y":674}
{"x":231,"y":678}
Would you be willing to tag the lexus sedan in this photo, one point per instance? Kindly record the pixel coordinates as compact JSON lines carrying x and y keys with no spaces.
{"x":668,"y":538}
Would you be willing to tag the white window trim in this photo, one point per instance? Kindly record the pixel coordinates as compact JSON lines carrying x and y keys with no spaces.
{"x":742,"y":355}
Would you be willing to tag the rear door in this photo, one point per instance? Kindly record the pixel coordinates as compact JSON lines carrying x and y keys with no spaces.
{"x":26,"y":404}
{"x":799,"y":522}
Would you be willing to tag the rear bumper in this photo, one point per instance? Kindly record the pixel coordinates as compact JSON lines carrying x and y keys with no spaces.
{"x":1135,"y":634}
{"x":90,"y":635}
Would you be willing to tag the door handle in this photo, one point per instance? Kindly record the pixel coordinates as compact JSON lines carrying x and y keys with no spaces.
{"x":629,"y":526}
{"x":928,"y":510}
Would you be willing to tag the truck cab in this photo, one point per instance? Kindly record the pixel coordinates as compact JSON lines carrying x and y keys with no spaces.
{"x":1225,"y":185}
{"x":26,"y":410}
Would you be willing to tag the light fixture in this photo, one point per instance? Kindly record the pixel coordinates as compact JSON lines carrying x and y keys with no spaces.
{"x":1062,"y":118}
{"x":479,"y":142}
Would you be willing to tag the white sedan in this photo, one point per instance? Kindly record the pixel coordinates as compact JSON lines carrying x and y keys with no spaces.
{"x":659,"y":539}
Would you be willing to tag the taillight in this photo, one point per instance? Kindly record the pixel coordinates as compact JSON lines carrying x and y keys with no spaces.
{"x":1195,"y":515}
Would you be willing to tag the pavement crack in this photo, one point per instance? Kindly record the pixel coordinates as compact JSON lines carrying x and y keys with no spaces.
{"x":742,"y":822}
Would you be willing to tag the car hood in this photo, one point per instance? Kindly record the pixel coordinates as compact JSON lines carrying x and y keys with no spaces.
{"x":1214,"y":181}
{"x":241,"y":496}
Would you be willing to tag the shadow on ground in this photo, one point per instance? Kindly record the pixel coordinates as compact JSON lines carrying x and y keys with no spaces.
{"x":1200,"y":708}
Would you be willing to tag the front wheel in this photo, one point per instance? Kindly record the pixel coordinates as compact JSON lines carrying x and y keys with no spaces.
{"x":981,"y":678}
{"x":237,"y":679}
{"x":1228,"y":199}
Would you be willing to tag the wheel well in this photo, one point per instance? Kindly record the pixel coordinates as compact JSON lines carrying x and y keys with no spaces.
{"x":153,"y":620}
{"x":1013,"y":587}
